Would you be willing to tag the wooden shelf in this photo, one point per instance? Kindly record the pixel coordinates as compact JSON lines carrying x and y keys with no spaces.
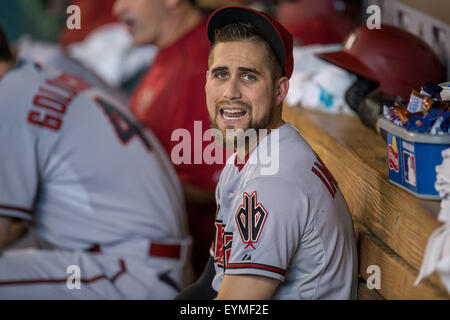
{"x":393,"y":225}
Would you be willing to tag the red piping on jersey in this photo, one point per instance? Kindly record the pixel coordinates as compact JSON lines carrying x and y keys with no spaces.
{"x":161,"y":250}
{"x":122,"y":270}
{"x":165,"y":250}
{"x":256,"y":266}
{"x":27,"y":211}
{"x":325,"y":182}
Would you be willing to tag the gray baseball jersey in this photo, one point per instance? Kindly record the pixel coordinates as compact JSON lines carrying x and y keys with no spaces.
{"x":85,"y":174}
{"x":292,"y":224}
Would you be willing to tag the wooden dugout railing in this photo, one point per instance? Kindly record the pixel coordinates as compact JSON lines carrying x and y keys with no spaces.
{"x":392,"y":226}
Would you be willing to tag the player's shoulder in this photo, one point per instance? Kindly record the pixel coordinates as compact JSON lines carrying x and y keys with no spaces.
{"x":17,"y":88}
{"x":272,"y":185}
{"x":293,"y":147}
{"x":285,"y":154}
{"x":23,"y":72}
{"x":292,"y":164}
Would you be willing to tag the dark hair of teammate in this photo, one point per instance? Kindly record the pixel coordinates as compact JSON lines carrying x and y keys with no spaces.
{"x":5,"y":51}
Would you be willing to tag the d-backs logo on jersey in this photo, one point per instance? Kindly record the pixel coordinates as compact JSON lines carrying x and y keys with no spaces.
{"x":250,"y":218}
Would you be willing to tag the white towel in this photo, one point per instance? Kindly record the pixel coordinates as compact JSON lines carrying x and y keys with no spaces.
{"x":120,"y":59}
{"x":437,"y":256}
{"x":442,"y":185}
{"x":437,"y":253}
{"x":317,"y":84}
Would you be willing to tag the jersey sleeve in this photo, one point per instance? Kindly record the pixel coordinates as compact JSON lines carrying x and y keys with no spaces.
{"x":18,"y":171}
{"x":266,"y":228}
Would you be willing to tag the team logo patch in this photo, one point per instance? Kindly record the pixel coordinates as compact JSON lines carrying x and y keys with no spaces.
{"x":250,"y":218}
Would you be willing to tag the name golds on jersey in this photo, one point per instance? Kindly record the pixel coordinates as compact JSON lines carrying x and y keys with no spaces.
{"x":51,"y":102}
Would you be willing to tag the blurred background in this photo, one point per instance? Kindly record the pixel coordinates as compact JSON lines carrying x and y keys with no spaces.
{"x":102,"y":50}
{"x":39,"y":28}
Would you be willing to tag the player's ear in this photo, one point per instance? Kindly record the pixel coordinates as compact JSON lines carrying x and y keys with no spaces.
{"x":281,"y":89}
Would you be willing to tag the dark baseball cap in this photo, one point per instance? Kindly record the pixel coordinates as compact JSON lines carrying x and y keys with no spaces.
{"x":279,"y":39}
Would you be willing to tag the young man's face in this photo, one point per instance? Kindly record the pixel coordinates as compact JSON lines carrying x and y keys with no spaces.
{"x":142,"y":18}
{"x":240,"y":91}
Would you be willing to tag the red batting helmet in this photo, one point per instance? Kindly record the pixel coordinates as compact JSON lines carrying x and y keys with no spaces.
{"x":290,"y":12}
{"x":396,"y":59}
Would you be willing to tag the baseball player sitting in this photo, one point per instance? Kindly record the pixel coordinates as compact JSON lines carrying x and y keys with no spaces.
{"x":103,"y":201}
{"x":281,"y":233}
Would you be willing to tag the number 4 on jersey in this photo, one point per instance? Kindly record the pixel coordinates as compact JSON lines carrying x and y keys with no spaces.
{"x":124,"y":128}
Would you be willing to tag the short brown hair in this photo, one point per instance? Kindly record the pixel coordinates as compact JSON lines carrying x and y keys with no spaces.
{"x":5,"y":51}
{"x":246,"y":32}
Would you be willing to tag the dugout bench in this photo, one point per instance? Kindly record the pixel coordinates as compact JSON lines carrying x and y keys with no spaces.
{"x":391,"y":225}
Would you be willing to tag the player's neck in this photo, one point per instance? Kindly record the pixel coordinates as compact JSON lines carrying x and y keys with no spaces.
{"x":184,"y":19}
{"x":5,"y":66}
{"x":252,"y":142}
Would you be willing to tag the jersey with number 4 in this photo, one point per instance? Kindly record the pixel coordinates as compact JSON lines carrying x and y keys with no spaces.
{"x":79,"y":166}
{"x":291,"y":224}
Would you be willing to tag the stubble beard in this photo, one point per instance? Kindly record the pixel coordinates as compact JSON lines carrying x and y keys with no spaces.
{"x":237,"y":140}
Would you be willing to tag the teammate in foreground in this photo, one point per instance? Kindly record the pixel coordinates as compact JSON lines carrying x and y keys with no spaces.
{"x":170,"y":97}
{"x":283,"y":235}
{"x":99,"y":192}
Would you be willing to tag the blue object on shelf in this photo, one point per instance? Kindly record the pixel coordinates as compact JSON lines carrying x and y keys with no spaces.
{"x":412,"y":159}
